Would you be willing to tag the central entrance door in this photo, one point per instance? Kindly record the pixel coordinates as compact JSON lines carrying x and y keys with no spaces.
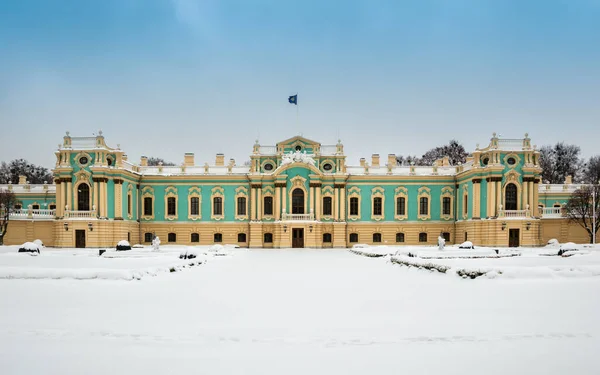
{"x":513,"y":238}
{"x":297,"y":237}
{"x":80,"y":238}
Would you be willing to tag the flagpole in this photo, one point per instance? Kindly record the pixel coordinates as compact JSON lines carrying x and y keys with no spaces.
{"x":297,"y":114}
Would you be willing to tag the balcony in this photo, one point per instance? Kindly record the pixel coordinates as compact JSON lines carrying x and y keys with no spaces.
{"x":71,"y":214}
{"x":297,"y":217}
{"x":514,"y":214}
{"x":32,"y":214}
{"x":551,"y":212}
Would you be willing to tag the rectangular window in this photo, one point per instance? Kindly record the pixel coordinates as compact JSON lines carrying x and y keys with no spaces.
{"x":327,"y":203}
{"x":423,"y":206}
{"x":268,"y":238}
{"x":35,"y":207}
{"x":446,"y":206}
{"x":171,"y":206}
{"x":147,"y":206}
{"x":148,"y":237}
{"x":422,"y":237}
{"x":353,"y":206}
{"x":217,"y":206}
{"x":241,"y":206}
{"x":466,"y":204}
{"x":400,"y":206}
{"x":195,"y":206}
{"x":377,"y":206}
{"x":129,"y":204}
{"x":267,"y":207}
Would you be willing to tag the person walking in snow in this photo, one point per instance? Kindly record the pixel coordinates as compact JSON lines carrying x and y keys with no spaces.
{"x":155,"y":243}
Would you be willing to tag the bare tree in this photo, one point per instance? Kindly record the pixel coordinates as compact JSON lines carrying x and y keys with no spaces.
{"x":583,"y":206}
{"x":154,"y":161}
{"x":10,"y":172}
{"x":7,"y":202}
{"x":453,"y":150}
{"x":560,"y":161}
{"x":591,"y":170}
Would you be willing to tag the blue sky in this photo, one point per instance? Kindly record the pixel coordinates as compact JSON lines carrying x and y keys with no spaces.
{"x":164,"y":77}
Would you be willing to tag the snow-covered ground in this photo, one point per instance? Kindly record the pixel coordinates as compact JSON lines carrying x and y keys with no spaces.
{"x":297,"y":312}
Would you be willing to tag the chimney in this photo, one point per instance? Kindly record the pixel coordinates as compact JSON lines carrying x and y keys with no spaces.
{"x":568,"y":180}
{"x":188,"y":159}
{"x":375,"y":160}
{"x":144,"y":161}
{"x":392,"y":159}
{"x":220,"y":162}
{"x":232,"y":162}
{"x":124,"y":157}
{"x":22,"y":180}
{"x":362,"y":162}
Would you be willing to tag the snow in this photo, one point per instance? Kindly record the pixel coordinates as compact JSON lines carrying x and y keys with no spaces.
{"x":30,"y":246}
{"x":123,"y":243}
{"x":39,"y":243}
{"x":296,"y":312}
{"x":467,"y":245}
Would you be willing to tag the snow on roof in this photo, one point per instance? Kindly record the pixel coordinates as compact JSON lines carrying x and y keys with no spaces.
{"x":33,"y":189}
{"x":402,"y":171}
{"x":191,"y":171}
{"x":510,"y":144}
{"x":559,"y":188}
{"x":328,"y":150}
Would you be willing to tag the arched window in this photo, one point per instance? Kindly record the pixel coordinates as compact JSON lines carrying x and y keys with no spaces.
{"x":353,"y":237}
{"x":195,"y":237}
{"x":327,"y":204}
{"x":376,"y":237}
{"x":218,"y":237}
{"x":422,"y":237}
{"x":510,"y":199}
{"x":83,"y":197}
{"x":172,"y":237}
{"x":298,"y":201}
{"x":400,"y":206}
{"x":399,"y":237}
{"x":217,"y":206}
{"x":423,"y":206}
{"x":241,"y":237}
{"x":327,"y":237}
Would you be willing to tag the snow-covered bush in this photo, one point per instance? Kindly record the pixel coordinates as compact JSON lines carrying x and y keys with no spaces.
{"x":39,"y":243}
{"x":553,"y":243}
{"x":568,"y":247}
{"x":216,"y":248}
{"x":189,"y":254}
{"x":466,"y":245}
{"x":123,"y":245}
{"x":30,"y":248}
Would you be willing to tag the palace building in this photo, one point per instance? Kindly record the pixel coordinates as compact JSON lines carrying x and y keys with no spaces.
{"x":297,"y":193}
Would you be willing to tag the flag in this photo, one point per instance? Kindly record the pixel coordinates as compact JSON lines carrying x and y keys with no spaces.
{"x":293,"y":99}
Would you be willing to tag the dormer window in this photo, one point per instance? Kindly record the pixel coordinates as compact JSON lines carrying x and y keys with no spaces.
{"x":268,"y":167}
{"x":485,"y":161}
{"x":109,"y":161}
{"x":327,"y":167}
{"x":83,"y":160}
{"x":511,"y":161}
{"x":298,"y":148}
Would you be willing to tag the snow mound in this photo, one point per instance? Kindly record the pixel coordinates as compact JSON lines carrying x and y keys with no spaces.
{"x":569,"y":246}
{"x":466,"y":245}
{"x":361,"y":246}
{"x":372,"y":251}
{"x":553,"y":243}
{"x":30,"y":248}
{"x":189,"y":254}
{"x":123,"y":245}
{"x":138,"y":246}
{"x":39,"y":243}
